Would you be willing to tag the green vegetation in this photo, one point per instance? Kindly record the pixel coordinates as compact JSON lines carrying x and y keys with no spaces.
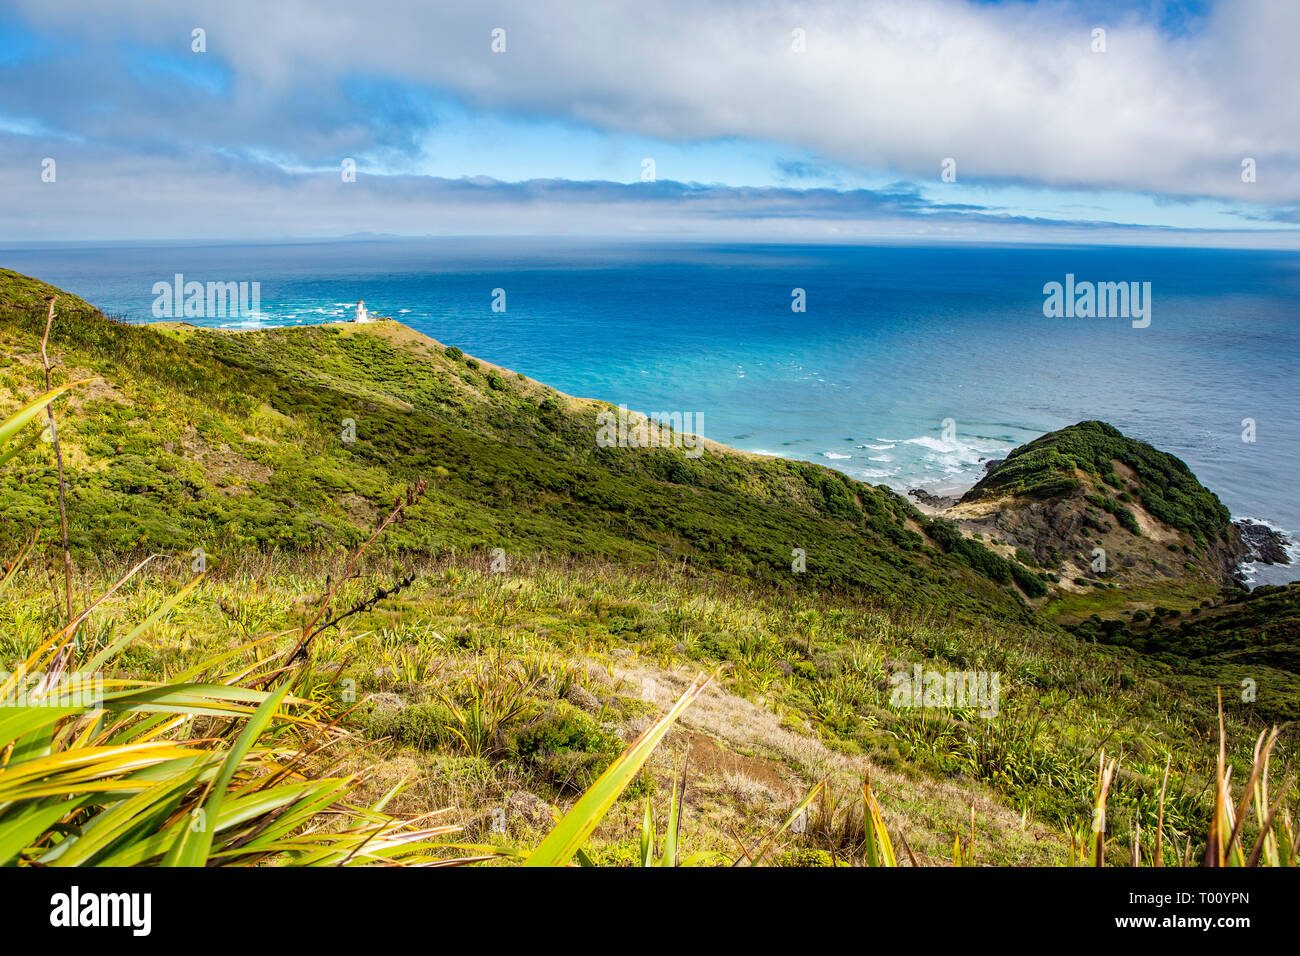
{"x":235,"y":443}
{"x":1250,"y":641}
{"x":981,"y":559}
{"x":115,"y":772}
{"x":1128,"y":521}
{"x":420,"y":671}
{"x":1045,"y":468}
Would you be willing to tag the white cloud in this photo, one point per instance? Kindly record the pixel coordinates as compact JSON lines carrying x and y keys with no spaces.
{"x":112,"y":193}
{"x":1011,"y":92}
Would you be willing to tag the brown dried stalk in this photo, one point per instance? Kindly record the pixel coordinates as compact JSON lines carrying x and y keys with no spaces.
{"x":58,"y":454}
{"x":315,"y":625}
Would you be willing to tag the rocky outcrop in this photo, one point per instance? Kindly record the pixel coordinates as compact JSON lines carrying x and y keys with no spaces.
{"x":1263,"y":545}
{"x":1099,"y":513}
{"x":931,"y":501}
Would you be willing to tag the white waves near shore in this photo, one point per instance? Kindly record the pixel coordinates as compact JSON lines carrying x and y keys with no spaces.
{"x":1256,"y":573}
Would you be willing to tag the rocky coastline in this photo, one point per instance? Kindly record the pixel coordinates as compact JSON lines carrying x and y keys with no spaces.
{"x":1259,"y":544}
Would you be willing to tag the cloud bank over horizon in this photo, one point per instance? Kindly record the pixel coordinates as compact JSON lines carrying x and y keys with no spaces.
{"x":813,"y":120}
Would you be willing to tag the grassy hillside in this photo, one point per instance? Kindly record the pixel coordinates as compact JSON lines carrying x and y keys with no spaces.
{"x":233,"y":442}
{"x":1247,"y":641}
{"x":498,"y":689}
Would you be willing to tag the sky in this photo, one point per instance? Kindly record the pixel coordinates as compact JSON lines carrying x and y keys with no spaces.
{"x":910,"y":120}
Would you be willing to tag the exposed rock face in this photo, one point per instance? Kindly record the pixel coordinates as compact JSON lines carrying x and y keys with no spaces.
{"x":933,"y":501}
{"x":1263,"y":544}
{"x":1074,"y":539}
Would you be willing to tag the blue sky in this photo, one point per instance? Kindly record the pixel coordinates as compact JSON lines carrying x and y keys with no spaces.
{"x":830,"y":120}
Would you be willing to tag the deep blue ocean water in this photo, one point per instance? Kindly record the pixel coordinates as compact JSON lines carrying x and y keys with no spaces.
{"x":894,"y":341}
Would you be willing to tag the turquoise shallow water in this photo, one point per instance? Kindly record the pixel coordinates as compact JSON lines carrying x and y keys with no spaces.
{"x":895,"y":340}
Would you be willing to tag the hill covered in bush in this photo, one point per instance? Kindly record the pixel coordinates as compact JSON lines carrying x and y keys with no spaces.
{"x":297,"y":438}
{"x":1046,"y":468}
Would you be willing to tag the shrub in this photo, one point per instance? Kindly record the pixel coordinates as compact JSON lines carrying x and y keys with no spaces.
{"x":1126,"y":518}
{"x":1029,"y":582}
{"x":423,"y":726}
{"x":561,"y":728}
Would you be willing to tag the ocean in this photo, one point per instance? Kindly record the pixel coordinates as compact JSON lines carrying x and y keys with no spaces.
{"x":909,"y":366}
